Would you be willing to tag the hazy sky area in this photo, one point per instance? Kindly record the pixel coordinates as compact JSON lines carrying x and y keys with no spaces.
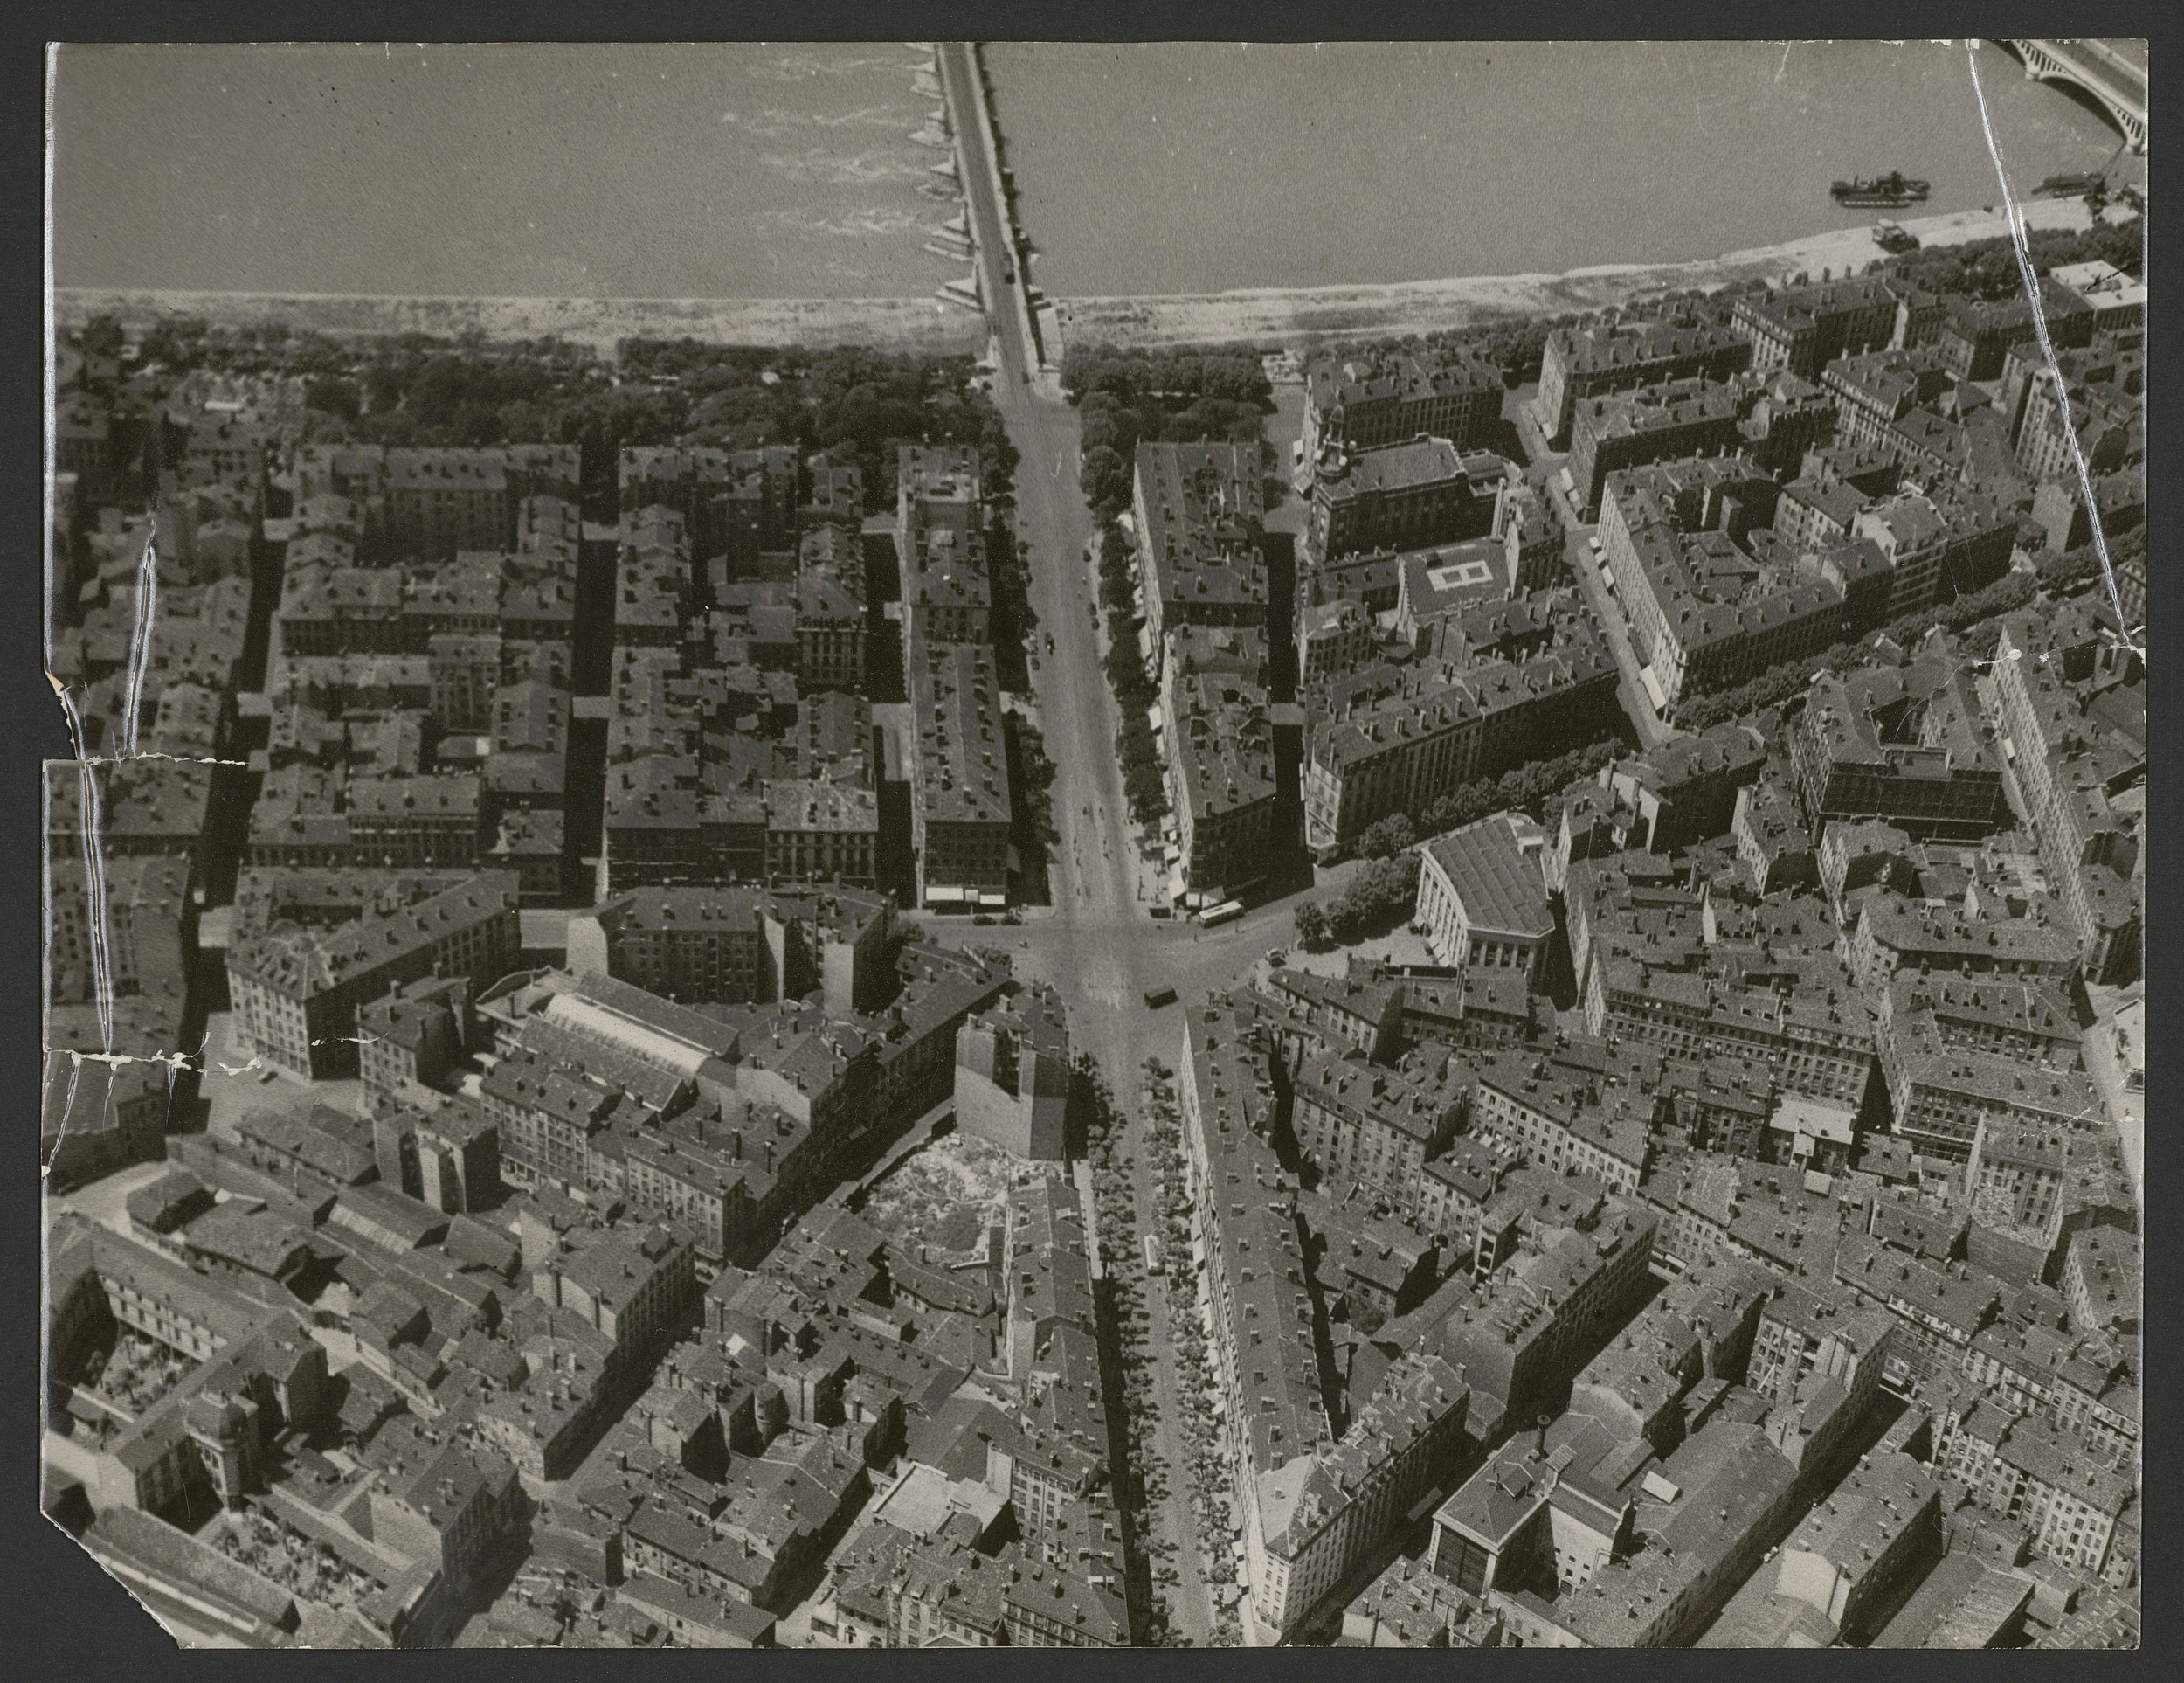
{"x":786,"y":170}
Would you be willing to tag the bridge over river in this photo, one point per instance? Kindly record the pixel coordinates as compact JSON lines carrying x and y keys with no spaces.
{"x":2114,"y":72}
{"x":1002,"y":280}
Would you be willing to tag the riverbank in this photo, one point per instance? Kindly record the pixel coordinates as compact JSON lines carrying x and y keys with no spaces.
{"x":927,"y":326}
{"x":1305,"y":314}
{"x":920,"y":325}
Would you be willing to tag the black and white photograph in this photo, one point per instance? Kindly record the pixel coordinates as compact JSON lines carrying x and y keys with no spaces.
{"x":1089,"y":844}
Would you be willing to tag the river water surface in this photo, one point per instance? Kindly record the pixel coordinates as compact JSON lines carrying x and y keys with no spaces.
{"x":740,"y":170}
{"x":1198,"y":168}
{"x":745,"y":170}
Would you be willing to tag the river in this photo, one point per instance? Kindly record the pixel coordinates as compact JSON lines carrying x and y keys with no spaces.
{"x":737,"y":171}
{"x":1191,"y":167}
{"x":751,"y":171}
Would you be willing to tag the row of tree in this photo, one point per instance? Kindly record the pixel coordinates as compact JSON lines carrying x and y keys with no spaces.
{"x":183,"y":344}
{"x":463,"y":389}
{"x":1113,"y":430}
{"x":1379,"y":896}
{"x":1171,"y":378}
{"x":1188,"y":395}
{"x":1531,"y":788}
{"x":1986,"y":269}
{"x":1142,"y":781}
{"x":1111,"y":425}
{"x":857,"y":402}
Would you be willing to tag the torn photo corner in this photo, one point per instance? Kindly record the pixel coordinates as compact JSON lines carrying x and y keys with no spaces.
{"x":940,"y":843}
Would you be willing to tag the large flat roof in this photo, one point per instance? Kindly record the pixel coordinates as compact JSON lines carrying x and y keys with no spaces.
{"x":1499,"y":884}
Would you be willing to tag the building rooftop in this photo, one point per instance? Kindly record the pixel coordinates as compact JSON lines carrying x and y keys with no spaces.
{"x":963,"y":774}
{"x":1201,"y":508}
{"x":309,"y":961}
{"x":1493,"y":869}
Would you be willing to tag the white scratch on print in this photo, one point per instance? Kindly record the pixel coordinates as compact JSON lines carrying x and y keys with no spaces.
{"x":2016,"y":221}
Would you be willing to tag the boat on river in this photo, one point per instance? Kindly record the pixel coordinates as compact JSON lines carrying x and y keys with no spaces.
{"x":2069,"y":186}
{"x":1890,"y":191}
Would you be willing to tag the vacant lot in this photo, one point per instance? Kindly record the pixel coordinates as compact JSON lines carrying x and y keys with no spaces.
{"x":943,"y":1196}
